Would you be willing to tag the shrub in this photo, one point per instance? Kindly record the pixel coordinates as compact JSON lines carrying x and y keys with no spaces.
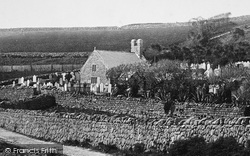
{"x":139,"y":148}
{"x":224,"y":146}
{"x":107,"y":148}
{"x":195,"y":146}
{"x":40,"y":102}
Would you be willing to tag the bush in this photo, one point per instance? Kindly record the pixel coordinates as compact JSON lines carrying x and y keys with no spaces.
{"x":40,"y":102}
{"x":224,"y":146}
{"x":107,"y":148}
{"x":139,"y":148}
{"x":195,"y":146}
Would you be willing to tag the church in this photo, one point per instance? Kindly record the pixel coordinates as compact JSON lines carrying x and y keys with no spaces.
{"x":99,"y":61}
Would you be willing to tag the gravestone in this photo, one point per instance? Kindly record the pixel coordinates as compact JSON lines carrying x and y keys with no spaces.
{"x":91,"y":87}
{"x":24,"y":83}
{"x":63,"y":76}
{"x":106,"y":86}
{"x":49,"y":84}
{"x":34,"y":78}
{"x":97,"y":89}
{"x":28,"y":82}
{"x":61,"y":81}
{"x":65,"y":87}
{"x":211,"y":89}
{"x":35,"y":89}
{"x":19,"y":80}
{"x":56,"y":85}
{"x":94,"y":88}
{"x":22,"y":80}
{"x":73,"y":76}
{"x":216,"y":88}
{"x":101,"y":87}
{"x":109,"y":88}
{"x":69,"y":86}
{"x":62,"y":88}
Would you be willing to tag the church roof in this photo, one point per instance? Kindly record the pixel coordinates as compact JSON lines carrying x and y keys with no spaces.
{"x":116,"y":58}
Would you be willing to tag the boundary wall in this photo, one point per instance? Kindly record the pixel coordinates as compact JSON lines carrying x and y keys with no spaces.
{"x":46,"y":67}
{"x":124,"y":132}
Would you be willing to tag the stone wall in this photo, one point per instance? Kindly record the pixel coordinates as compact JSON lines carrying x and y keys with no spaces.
{"x":46,"y":67}
{"x":135,"y":107}
{"x":203,"y":110}
{"x":124,"y":132}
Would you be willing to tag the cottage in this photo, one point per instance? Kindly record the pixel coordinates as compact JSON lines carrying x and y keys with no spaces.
{"x":94,"y":69}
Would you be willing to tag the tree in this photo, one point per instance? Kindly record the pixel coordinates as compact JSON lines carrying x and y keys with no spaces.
{"x":129,"y":76}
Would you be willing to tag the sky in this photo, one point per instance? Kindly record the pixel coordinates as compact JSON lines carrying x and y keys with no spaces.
{"x":93,"y":13}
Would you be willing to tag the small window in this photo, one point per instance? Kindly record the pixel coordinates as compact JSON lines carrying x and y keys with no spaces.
{"x":93,"y":79}
{"x":93,"y":67}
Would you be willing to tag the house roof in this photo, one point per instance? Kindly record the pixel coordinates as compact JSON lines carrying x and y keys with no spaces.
{"x":116,"y":58}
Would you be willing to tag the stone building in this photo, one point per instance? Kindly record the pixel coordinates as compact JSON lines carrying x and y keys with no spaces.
{"x":94,"y":69}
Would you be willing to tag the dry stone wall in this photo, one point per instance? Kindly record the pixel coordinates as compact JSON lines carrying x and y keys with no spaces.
{"x":136,"y":107}
{"x":203,"y":110}
{"x":124,"y":132}
{"x":45,"y":67}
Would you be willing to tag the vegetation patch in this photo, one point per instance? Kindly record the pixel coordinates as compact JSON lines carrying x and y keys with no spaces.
{"x":39,"y":102}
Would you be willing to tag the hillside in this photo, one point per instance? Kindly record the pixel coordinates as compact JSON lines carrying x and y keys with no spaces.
{"x":84,"y":39}
{"x":241,"y":20}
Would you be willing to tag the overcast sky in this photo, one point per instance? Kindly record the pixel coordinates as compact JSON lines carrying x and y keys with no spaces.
{"x":84,"y":13}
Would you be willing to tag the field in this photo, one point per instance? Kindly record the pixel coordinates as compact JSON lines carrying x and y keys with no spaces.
{"x":105,"y":38}
{"x":41,"y":58}
{"x":82,"y":40}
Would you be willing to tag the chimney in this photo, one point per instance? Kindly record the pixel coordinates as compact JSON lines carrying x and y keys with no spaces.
{"x":133,"y":46}
{"x":136,"y":47}
{"x":139,"y":47}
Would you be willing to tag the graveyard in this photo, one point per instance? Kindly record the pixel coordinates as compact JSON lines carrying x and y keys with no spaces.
{"x":102,"y":121}
{"x":144,"y":110}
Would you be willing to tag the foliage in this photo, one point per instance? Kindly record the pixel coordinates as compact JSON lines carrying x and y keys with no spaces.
{"x":197,"y":146}
{"x":214,"y":53}
{"x":233,"y":72}
{"x":224,"y":146}
{"x":40,"y":102}
{"x":139,"y":148}
{"x":190,"y":147}
{"x":129,"y":76}
{"x":161,"y":78}
{"x":167,"y":77}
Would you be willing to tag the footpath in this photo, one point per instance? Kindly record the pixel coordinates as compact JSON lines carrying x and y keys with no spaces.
{"x":18,"y":139}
